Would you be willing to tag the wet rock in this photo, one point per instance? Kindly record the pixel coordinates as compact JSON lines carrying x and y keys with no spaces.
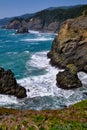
{"x":9,"y":86}
{"x":68,"y":80}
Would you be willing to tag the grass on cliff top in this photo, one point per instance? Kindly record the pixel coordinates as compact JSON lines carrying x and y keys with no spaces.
{"x":72,"y":118}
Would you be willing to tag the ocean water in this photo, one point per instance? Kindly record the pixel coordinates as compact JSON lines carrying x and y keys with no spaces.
{"x":26,"y":56}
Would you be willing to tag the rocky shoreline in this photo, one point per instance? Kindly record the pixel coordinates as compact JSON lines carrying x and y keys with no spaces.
{"x":69,"y":51}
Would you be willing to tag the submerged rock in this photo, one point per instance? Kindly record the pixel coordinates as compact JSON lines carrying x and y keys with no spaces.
{"x":9,"y":86}
{"x":70,"y":48}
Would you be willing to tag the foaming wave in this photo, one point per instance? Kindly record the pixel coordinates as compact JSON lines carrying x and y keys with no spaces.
{"x":45,"y":85}
{"x":37,"y":39}
{"x":83,"y":77}
{"x":39,"y":60}
{"x":39,"y":85}
{"x":7,"y":100}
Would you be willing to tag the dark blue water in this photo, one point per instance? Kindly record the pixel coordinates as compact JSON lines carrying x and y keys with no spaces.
{"x":25,"y":55}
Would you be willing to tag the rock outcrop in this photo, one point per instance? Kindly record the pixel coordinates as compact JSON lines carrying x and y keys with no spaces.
{"x":22,"y":30}
{"x":16,"y":23}
{"x":68,"y":80}
{"x":41,"y":25}
{"x":9,"y":86}
{"x":69,"y":50}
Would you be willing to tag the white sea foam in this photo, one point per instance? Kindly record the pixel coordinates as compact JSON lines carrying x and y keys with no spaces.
{"x":7,"y":100}
{"x":39,"y":60}
{"x":27,"y":52}
{"x":33,"y":32}
{"x":83,"y":77}
{"x":40,"y":85}
{"x":37,"y":39}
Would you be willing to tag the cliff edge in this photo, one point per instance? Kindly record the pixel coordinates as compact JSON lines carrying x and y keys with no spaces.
{"x":69,"y":51}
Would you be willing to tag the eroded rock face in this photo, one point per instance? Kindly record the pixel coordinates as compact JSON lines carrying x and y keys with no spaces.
{"x":17,"y":23}
{"x":70,"y":47}
{"x":41,"y":25}
{"x":9,"y":86}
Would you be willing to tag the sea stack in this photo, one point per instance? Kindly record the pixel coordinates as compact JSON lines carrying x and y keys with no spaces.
{"x":22,"y":30}
{"x":9,"y":86}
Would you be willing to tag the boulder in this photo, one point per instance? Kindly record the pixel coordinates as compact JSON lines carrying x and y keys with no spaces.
{"x":9,"y":86}
{"x":67,"y":80}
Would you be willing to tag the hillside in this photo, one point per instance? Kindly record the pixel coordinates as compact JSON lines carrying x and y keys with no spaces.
{"x":48,"y":20}
{"x":72,"y":118}
{"x":5,"y":21}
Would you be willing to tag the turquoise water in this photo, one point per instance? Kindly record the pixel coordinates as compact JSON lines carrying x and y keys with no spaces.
{"x":26,"y":56}
{"x":16,"y":50}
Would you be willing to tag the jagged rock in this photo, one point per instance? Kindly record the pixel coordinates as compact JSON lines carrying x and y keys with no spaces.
{"x":70,"y":48}
{"x":22,"y":30}
{"x":9,"y":86}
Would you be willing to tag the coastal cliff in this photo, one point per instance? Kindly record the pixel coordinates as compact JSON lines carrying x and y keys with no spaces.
{"x":48,"y":20}
{"x":69,"y":51}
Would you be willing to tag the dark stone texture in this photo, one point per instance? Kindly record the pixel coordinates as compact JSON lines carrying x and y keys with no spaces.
{"x":67,"y":80}
{"x":9,"y":86}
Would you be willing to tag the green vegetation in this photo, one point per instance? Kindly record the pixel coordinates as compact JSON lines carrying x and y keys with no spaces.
{"x":60,"y":14}
{"x":72,"y":68}
{"x":47,"y":17}
{"x":72,"y":118}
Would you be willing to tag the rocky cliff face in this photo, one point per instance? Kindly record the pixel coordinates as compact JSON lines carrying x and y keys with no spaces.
{"x":39,"y":24}
{"x":36,"y":24}
{"x":48,"y":20}
{"x":69,"y":50}
{"x":16,"y":23}
{"x":9,"y":86}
